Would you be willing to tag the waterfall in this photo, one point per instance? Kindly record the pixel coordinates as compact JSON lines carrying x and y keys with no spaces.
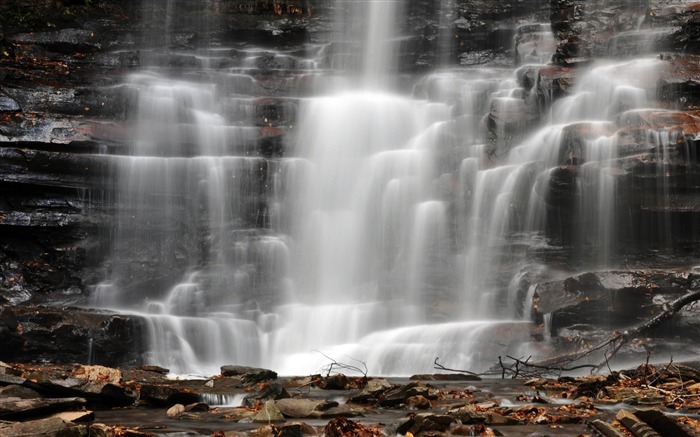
{"x":391,"y":227}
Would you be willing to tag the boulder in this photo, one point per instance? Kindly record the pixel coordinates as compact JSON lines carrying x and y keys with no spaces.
{"x":65,"y":335}
{"x":248,"y":375}
{"x":269,"y":391}
{"x":423,"y":423}
{"x":371,"y":391}
{"x":163,"y":396}
{"x":175,"y":410}
{"x":398,"y":395}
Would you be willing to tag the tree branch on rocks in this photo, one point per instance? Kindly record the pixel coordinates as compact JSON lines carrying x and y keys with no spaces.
{"x":439,"y":366}
{"x":614,"y":342}
{"x":531,"y":370}
{"x":335,"y":365}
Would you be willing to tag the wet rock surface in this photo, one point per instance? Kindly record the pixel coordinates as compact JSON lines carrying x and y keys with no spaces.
{"x":63,"y":111}
{"x":660,"y":396}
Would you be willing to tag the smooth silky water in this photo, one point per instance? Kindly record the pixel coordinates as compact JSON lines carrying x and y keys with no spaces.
{"x":373,"y":246}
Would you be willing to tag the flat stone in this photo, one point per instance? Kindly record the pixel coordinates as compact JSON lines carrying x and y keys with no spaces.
{"x":14,"y":408}
{"x":269,"y":413}
{"x":76,"y":416}
{"x":300,"y":408}
{"x":248,"y":375}
{"x":49,"y":427}
{"x":18,"y":391}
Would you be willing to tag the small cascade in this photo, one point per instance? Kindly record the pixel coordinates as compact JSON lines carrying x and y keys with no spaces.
{"x":219,"y":400}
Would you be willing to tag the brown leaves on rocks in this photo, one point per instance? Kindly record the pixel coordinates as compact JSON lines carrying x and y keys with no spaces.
{"x":342,"y":427}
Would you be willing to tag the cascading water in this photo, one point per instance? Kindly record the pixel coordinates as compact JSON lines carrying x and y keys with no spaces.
{"x":392,"y":231}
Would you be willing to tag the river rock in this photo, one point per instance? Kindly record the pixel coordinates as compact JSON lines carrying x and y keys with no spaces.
{"x":14,"y":408}
{"x":49,"y":427}
{"x":300,"y":408}
{"x":248,"y":375}
{"x":399,"y":394}
{"x":269,"y":413}
{"x":163,"y":396}
{"x":270,"y":391}
{"x":17,"y":391}
{"x":175,"y":410}
{"x":371,"y":391}
{"x":335,"y":382}
{"x":341,"y":427}
{"x":423,"y":422}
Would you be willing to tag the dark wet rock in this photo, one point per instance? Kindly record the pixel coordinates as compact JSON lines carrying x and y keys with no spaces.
{"x":8,"y":104}
{"x":340,"y":411}
{"x":160,"y":395}
{"x":508,"y":121}
{"x":292,"y":430}
{"x":154,"y":369}
{"x":96,"y":393}
{"x":371,"y":392}
{"x":269,"y":391}
{"x":399,"y":394}
{"x":300,"y":408}
{"x":555,"y":82}
{"x":335,"y":382}
{"x":423,"y":423}
{"x":610,"y":300}
{"x":68,"y":335}
{"x":18,"y":391}
{"x":248,"y":375}
{"x":13,"y":408}
{"x":341,"y":426}
{"x":63,"y":40}
{"x":197,"y":407}
{"x":50,"y":427}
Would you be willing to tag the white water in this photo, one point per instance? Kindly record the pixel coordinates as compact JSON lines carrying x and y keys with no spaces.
{"x":390,"y":237}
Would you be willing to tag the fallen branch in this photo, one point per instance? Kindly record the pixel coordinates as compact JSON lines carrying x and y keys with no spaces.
{"x":439,"y":366}
{"x":328,"y":368}
{"x":618,"y":339}
{"x":534,"y":370}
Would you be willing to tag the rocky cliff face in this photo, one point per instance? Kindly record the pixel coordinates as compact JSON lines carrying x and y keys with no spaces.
{"x":64,"y":112}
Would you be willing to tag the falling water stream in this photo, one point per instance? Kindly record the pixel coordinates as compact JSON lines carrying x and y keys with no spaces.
{"x":391,"y":229}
